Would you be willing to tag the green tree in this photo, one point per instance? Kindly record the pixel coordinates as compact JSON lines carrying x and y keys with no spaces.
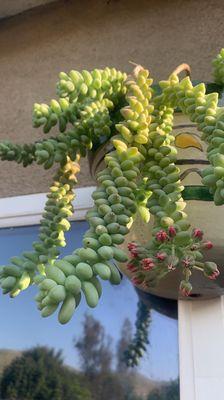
{"x":96,"y":357}
{"x":169,"y":391}
{"x":39,"y":374}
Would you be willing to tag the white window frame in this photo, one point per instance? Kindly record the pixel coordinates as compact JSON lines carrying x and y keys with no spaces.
{"x":27,"y":210}
{"x":201,"y":349}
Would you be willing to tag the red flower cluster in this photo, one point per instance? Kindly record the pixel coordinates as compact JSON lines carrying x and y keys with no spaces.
{"x":166,"y":257}
{"x":162,"y":235}
{"x":147,"y":264}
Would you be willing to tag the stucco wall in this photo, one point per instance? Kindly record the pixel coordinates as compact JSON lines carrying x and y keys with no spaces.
{"x":38,"y":44}
{"x":13,"y":7}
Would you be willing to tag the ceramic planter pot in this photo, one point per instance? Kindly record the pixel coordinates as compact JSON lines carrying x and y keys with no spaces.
{"x":200,"y":208}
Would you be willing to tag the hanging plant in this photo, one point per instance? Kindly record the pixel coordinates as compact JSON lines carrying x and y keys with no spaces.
{"x":140,"y":178}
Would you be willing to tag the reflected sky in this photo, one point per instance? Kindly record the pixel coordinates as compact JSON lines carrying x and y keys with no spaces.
{"x":23,"y":327}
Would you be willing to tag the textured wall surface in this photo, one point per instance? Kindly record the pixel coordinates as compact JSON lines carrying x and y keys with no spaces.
{"x":36,"y":45}
{"x":12,"y":7}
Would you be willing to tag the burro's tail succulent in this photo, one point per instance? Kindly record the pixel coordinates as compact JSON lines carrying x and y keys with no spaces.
{"x":140,"y":177}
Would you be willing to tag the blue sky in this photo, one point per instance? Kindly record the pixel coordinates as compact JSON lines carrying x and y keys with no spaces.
{"x":23,"y":327}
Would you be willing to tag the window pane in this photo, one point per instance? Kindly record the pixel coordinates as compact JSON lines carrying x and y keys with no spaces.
{"x":22,"y":327}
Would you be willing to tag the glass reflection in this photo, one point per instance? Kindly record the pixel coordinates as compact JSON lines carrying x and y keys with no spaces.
{"x":94,"y":340}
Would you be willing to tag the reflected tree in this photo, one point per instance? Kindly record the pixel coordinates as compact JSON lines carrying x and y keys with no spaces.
{"x":94,"y":348}
{"x":96,"y":358}
{"x":122,"y":345}
{"x":39,"y":374}
{"x":169,"y":391}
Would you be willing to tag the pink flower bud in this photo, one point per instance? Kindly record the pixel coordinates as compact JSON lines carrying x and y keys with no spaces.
{"x":147,"y":264}
{"x":208,"y":245}
{"x":161,"y":256}
{"x":171,"y":267}
{"x":211,"y":270}
{"x":188,"y":262}
{"x":132,"y":267}
{"x":197,"y":233}
{"x":162,"y":236}
{"x":136,"y":280}
{"x":172,"y":231}
{"x":214,"y":275}
{"x":132,"y":247}
{"x":185,"y":288}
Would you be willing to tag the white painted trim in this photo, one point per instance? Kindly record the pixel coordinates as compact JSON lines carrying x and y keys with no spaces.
{"x":27,"y":210}
{"x":186,"y":356}
{"x":201,"y":349}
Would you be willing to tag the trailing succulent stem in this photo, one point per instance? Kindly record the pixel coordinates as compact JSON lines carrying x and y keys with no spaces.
{"x":140,"y":177}
{"x":58,"y":208}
